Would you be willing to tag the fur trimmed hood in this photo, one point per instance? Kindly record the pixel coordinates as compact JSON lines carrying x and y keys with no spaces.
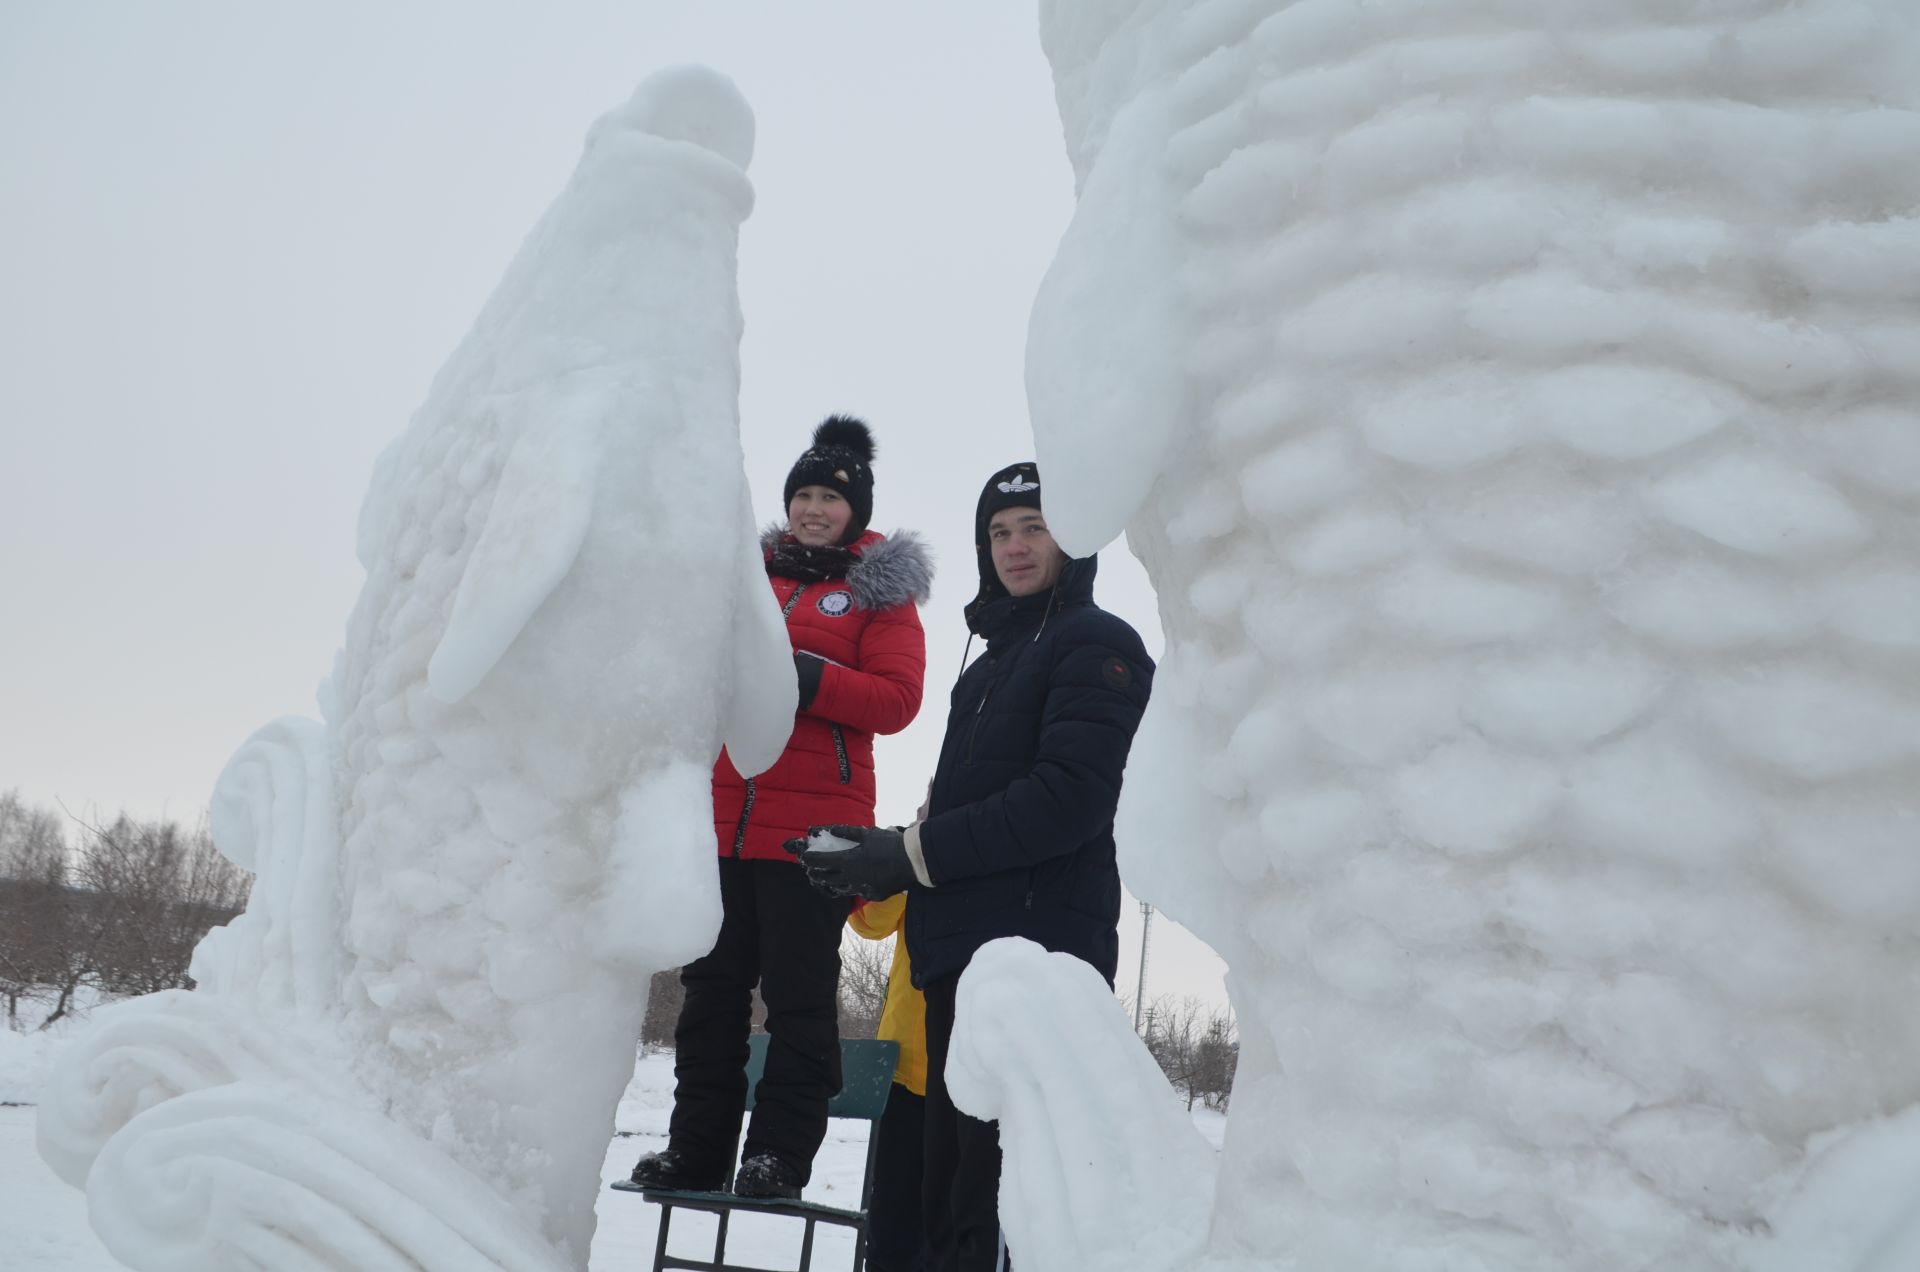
{"x":888,"y":569}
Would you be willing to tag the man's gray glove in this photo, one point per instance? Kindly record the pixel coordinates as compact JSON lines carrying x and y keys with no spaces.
{"x":875,"y":867}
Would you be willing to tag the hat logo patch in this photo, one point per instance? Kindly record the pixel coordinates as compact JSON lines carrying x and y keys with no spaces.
{"x":834,"y":604}
{"x":1018,"y":487}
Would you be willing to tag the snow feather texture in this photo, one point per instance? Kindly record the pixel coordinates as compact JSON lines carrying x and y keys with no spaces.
{"x":467,"y":874}
{"x":1533,"y":508}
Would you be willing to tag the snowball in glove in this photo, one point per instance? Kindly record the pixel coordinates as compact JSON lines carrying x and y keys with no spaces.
{"x":872,"y":861}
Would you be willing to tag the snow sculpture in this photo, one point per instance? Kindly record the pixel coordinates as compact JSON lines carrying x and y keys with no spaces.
{"x":1107,"y":1169}
{"x":407,"y":1052}
{"x":1515,"y":406}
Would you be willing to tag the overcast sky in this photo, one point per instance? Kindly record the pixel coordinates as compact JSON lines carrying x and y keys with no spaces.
{"x":239,"y":239}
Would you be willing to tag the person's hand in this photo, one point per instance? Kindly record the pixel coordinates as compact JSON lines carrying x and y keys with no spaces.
{"x":876,"y":866}
{"x":808,"y":670}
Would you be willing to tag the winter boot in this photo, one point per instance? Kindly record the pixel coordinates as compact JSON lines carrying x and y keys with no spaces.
{"x":765,"y":1175}
{"x":670,"y":1171}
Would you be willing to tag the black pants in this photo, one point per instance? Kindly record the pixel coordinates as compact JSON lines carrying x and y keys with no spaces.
{"x":962,"y":1190}
{"x":894,"y":1211}
{"x":777,"y":931}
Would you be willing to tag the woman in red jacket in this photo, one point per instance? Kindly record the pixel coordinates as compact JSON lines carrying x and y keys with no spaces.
{"x":849,"y":596}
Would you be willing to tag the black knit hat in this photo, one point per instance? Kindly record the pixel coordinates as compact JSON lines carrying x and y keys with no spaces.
{"x":841,"y":457}
{"x":1015,"y":486}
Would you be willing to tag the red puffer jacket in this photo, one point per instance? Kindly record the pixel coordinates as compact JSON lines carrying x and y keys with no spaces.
{"x":866,"y":628}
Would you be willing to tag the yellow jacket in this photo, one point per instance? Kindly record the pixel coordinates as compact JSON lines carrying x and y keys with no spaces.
{"x":904,"y":1018}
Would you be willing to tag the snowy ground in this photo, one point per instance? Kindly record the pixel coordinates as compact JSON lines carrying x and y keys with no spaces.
{"x":45,"y":1221}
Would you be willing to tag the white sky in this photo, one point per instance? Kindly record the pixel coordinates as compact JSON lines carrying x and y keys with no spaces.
{"x":239,"y":239}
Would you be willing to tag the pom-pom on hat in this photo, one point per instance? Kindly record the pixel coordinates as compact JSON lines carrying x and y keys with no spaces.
{"x":841,"y":457}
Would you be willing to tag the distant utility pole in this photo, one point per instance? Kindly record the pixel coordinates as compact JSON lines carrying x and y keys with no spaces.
{"x":1140,"y":986}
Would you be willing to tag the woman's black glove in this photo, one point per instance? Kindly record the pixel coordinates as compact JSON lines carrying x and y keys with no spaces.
{"x":875,"y":867}
{"x":808,"y":669}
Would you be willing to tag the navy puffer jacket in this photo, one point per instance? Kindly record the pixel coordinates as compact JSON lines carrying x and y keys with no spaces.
{"x":1019,"y":831}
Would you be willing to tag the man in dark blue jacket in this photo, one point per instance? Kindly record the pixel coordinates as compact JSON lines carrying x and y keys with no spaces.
{"x":1018,"y":834}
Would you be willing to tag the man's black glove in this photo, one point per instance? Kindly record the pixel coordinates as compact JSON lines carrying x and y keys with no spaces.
{"x":808,"y":669}
{"x":875,"y":867}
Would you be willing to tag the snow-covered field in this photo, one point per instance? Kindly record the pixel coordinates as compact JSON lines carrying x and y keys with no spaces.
{"x":45,"y":1222}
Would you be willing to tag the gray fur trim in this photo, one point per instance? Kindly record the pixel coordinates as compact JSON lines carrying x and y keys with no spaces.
{"x":898,"y":568}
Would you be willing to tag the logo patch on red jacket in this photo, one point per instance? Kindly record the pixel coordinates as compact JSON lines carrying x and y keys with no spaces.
{"x":834,"y":604}
{"x":1118,"y":674}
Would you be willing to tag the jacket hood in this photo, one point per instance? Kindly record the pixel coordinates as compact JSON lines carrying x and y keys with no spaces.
{"x":1016,"y":485}
{"x":888,"y":570}
{"x":990,"y":614}
{"x":992,"y":606}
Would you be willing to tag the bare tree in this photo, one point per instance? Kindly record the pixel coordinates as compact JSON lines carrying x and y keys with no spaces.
{"x":33,"y":882}
{"x":98,"y":914}
{"x":864,"y":968}
{"x":1195,"y":1047}
{"x":1170,"y":1029}
{"x":664,"y":997}
{"x":210,"y":891}
{"x":1216,"y":1057}
{"x":119,"y":912}
{"x":863,"y":993}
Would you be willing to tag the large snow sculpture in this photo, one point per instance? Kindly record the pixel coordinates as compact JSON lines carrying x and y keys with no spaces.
{"x":407,"y":1053}
{"x":1515,"y":407}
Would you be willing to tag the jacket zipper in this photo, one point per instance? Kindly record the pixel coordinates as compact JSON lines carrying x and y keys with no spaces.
{"x":975,"y":730}
{"x":792,"y":601}
{"x":1029,"y":903}
{"x":746,"y":811}
{"x":840,"y":753}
